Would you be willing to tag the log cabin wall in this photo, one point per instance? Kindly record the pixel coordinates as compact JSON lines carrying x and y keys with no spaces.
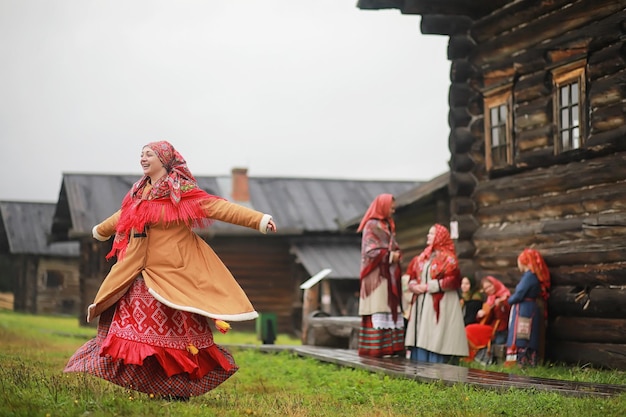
{"x":263,"y":267}
{"x":25,"y":270}
{"x":568,"y":205}
{"x":93,"y":268}
{"x":57,"y":286}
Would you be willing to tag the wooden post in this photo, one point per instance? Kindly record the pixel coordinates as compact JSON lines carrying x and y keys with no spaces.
{"x":326,"y":297}
{"x":310,"y":303}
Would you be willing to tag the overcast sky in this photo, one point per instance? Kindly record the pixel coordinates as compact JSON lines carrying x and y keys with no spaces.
{"x":285,"y":88}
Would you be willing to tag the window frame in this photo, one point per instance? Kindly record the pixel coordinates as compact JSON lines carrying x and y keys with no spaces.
{"x":499,"y":97}
{"x":563,"y":76}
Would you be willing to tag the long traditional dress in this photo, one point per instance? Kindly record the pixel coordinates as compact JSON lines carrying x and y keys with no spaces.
{"x":526,"y":302}
{"x":435,"y":331}
{"x":382,"y":324}
{"x":529,"y":301}
{"x":166,"y":289}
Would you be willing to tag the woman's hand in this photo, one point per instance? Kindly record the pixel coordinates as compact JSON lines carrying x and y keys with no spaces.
{"x":271,"y":226}
{"x":480,"y":314}
{"x":416,"y":288}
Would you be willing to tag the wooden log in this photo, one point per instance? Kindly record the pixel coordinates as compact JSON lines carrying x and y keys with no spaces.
{"x":578,"y":202}
{"x":465,"y":248}
{"x":460,"y":140}
{"x":534,"y":114}
{"x":462,"y":184}
{"x":557,"y":178}
{"x":537,"y":138}
{"x":445,"y":25}
{"x":461,"y":162}
{"x":534,"y":86}
{"x":458,"y":117}
{"x":609,"y":90}
{"x":529,"y":33}
{"x":515,"y":14}
{"x":607,"y":275}
{"x":379,"y":4}
{"x":460,"y":47}
{"x":459,"y":94}
{"x":607,"y":118}
{"x":608,"y":303}
{"x":467,"y":226}
{"x":451,"y":7}
{"x":501,"y":254}
{"x":609,"y":139}
{"x":588,"y":330}
{"x":461,"y":70}
{"x":605,"y":355}
{"x":477,"y":129}
{"x":309,"y":305}
{"x":475,"y":105}
{"x":606,"y":61}
{"x":462,"y":205}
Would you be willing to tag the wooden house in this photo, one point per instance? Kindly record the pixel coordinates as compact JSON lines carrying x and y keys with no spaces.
{"x":270,"y":268}
{"x":538,"y":153}
{"x":44,"y":276}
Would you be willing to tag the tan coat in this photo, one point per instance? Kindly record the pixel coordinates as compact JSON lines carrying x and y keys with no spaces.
{"x":179,"y":268}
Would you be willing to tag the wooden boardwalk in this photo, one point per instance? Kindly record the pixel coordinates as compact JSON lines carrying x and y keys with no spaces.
{"x":446,"y":374}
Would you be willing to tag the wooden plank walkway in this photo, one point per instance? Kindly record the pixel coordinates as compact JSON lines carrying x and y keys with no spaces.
{"x":446,"y":374}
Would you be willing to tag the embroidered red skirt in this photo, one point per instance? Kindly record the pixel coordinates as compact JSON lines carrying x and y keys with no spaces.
{"x":379,"y":342}
{"x":147,"y":346}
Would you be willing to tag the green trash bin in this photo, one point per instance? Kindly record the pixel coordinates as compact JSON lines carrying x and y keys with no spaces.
{"x":266,"y":328}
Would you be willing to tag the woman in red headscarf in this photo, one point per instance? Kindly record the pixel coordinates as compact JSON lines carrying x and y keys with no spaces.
{"x":436,"y":331}
{"x":382,"y":323}
{"x":167,"y":287}
{"x":493,"y":320}
{"x":528,"y":310}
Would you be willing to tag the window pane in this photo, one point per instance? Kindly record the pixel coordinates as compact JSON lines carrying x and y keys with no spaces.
{"x":575,"y":138}
{"x":564,"y":96}
{"x":565,"y":140}
{"x":575,"y":116}
{"x":495,"y":137}
{"x":575,"y":91}
{"x":494,"y":116}
{"x":503,"y":113}
{"x":565,"y":123}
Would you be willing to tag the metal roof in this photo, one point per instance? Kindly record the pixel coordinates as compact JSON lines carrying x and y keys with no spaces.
{"x":297,"y":204}
{"x":25,"y":229}
{"x":341,"y":256}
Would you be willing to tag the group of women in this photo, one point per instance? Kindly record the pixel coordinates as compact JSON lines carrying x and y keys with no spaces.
{"x":167,"y":288}
{"x":420,"y":313}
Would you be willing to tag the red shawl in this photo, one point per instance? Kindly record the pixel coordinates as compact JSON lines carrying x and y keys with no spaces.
{"x":533,"y":259}
{"x":443,"y":265}
{"x":175,"y":197}
{"x":379,"y":209}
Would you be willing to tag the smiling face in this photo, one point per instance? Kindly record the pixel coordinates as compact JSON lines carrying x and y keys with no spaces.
{"x":151,"y":164}
{"x":431,"y":235}
{"x":466,"y":285}
{"x":488,"y":287}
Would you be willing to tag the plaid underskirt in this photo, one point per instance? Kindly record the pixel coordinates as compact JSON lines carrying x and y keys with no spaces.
{"x":381,"y":341}
{"x":149,"y":347}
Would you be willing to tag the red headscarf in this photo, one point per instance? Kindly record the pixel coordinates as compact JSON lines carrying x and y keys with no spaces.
{"x":442,"y":242}
{"x":379,"y":209}
{"x":500,"y":290}
{"x":178,"y":179}
{"x":174,"y":197}
{"x":444,"y":261}
{"x":533,"y":259}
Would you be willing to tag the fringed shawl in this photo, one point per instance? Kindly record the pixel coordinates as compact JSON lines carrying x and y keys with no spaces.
{"x":175,"y":197}
{"x":441,"y":258}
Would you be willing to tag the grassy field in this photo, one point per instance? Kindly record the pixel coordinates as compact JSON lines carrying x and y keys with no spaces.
{"x":34,"y":350}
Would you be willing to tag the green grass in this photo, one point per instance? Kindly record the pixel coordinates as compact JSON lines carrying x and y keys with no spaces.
{"x":34,"y":350}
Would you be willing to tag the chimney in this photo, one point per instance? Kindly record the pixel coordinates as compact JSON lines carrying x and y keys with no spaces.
{"x":240,"y":192}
